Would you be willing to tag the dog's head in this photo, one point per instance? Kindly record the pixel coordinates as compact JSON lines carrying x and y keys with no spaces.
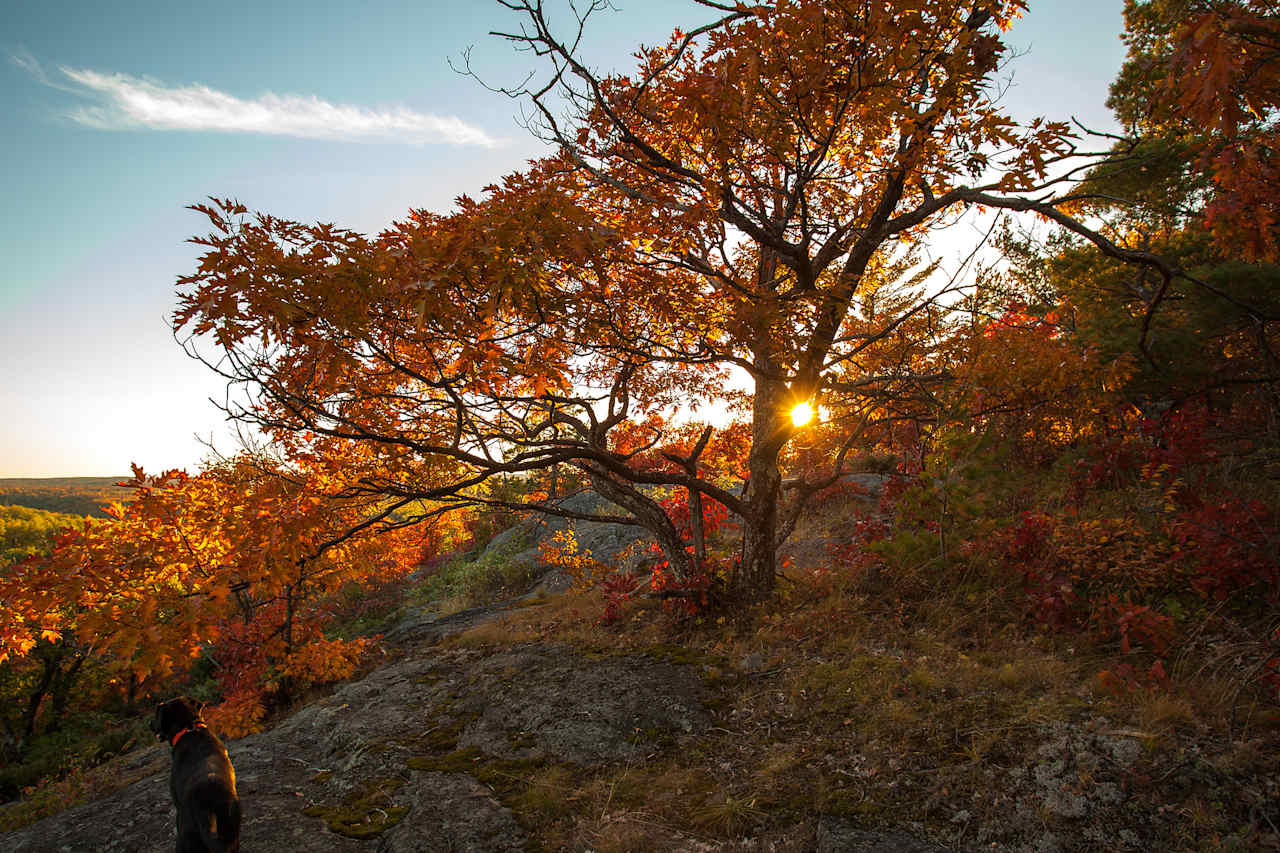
{"x":174,"y":716}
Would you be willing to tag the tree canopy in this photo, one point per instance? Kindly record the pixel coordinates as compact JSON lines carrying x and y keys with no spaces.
{"x":745,"y":203}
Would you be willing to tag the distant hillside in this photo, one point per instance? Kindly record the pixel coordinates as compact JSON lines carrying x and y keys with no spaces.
{"x":76,"y":495}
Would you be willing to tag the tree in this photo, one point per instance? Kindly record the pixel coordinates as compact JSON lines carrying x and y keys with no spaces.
{"x":740,"y":203}
{"x":25,"y":532}
{"x":1202,"y":77}
{"x":49,"y":665}
{"x":1189,"y":181}
{"x":241,"y":554}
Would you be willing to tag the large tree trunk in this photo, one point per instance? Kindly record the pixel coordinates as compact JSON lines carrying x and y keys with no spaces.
{"x":757,"y":572}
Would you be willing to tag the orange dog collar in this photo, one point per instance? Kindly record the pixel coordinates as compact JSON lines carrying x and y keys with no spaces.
{"x":178,"y":736}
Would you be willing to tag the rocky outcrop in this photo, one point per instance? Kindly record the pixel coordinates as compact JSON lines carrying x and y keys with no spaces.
{"x":411,"y":758}
{"x":554,"y":705}
{"x":390,"y":763}
{"x":340,"y":774}
{"x":622,"y":545}
{"x":332,"y":778}
{"x":355,"y":771}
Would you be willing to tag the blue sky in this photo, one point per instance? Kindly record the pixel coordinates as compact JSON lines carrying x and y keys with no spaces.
{"x":117,"y":115}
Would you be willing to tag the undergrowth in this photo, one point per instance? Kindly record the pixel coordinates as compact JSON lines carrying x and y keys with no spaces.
{"x":892,"y":708}
{"x":945,"y":636}
{"x":472,"y":578}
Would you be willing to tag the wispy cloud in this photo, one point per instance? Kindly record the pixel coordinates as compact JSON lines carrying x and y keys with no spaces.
{"x":24,"y":60}
{"x":124,"y":102}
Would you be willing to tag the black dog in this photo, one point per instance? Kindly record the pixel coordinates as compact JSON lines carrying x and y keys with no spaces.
{"x":202,"y":781}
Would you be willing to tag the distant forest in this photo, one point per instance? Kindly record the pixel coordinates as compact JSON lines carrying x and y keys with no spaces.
{"x":75,"y":495}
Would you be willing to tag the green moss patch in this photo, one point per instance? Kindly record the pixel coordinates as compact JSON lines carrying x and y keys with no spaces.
{"x":365,"y":813}
{"x":684,"y":656}
{"x":538,"y":792}
{"x":457,"y":761}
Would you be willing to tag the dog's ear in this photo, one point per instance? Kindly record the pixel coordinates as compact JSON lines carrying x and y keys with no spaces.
{"x":158,"y":720}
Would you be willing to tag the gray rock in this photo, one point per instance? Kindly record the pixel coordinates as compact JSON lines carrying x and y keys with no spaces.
{"x":550,"y":702}
{"x":616,"y":544}
{"x":427,"y":626}
{"x":871,"y":484}
{"x":839,"y":836}
{"x":1071,"y":793}
{"x":620,"y":545}
{"x":452,"y":811}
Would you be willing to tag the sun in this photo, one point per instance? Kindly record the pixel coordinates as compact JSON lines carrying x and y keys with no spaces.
{"x":801,"y":414}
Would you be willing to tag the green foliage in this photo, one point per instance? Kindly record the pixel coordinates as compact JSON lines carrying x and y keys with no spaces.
{"x":1151,"y":173}
{"x":470,"y":579}
{"x":956,"y":499}
{"x":25,"y":532}
{"x":1148,"y":34}
{"x":364,"y":609}
{"x":1210,"y":334}
{"x":1185,"y":340}
{"x":85,"y":739}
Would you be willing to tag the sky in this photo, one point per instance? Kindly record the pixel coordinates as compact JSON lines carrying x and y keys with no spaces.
{"x":114,"y":116}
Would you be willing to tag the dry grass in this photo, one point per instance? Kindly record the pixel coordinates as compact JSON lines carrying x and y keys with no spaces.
{"x":573,"y":618}
{"x":631,"y":832}
{"x":1163,"y":713}
{"x":841,"y":702}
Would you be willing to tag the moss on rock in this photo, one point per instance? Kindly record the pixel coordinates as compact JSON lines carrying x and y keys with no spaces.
{"x":367,"y":812}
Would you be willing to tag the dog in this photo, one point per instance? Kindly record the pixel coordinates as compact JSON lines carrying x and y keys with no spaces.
{"x":202,"y":780}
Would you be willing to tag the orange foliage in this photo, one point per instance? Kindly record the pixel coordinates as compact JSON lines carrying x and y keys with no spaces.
{"x":1037,"y":384}
{"x":1223,"y":76}
{"x":726,"y":207}
{"x":236,"y":559}
{"x":321,"y":661}
{"x":239,"y":714}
